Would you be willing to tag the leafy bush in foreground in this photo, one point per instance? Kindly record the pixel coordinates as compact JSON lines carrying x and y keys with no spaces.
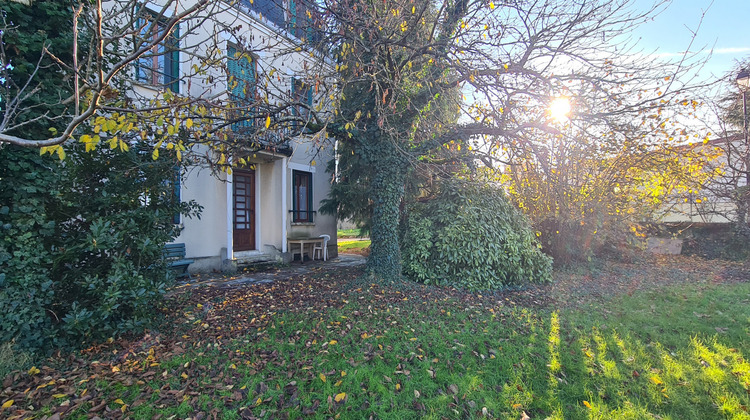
{"x":470,"y":236}
{"x":81,"y":244}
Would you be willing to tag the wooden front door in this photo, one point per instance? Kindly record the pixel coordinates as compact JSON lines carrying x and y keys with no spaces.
{"x":244,"y":210}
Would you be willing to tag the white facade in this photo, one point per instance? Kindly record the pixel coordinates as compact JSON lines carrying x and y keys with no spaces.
{"x":209,"y":241}
{"x":212,"y":240}
{"x":713,"y":204}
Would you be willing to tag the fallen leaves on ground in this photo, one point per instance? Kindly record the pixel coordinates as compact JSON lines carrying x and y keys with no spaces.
{"x":210,"y":318}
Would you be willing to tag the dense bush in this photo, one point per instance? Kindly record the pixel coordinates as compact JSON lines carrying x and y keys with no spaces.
{"x":28,"y":197}
{"x":80,"y":240}
{"x":81,"y":243}
{"x":469,"y":236}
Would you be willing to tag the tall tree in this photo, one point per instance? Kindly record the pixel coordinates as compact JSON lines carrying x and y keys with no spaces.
{"x":510,"y":61}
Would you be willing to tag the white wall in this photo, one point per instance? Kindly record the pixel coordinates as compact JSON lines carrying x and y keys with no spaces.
{"x":204,"y":237}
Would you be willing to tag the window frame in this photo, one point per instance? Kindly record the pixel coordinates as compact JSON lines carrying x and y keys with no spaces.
{"x":177,"y":189}
{"x":250,"y":90}
{"x":301,"y":91}
{"x":296,"y":210}
{"x":167,"y":50}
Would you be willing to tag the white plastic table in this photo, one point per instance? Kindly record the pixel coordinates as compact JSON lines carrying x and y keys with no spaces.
{"x":302,"y":242}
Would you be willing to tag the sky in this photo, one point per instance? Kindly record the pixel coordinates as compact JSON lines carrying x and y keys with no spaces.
{"x":725,"y":29}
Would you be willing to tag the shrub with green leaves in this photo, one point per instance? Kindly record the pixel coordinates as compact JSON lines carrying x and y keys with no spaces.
{"x":469,"y":236}
{"x":28,"y":196}
{"x":81,"y":243}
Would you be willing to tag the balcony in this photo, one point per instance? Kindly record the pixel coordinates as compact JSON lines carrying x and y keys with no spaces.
{"x":298,"y":18}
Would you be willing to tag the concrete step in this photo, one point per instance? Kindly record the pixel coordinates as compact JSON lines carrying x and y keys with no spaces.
{"x":255,"y":260}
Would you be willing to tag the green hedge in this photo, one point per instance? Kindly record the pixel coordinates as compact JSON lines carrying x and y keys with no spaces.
{"x":469,"y":236}
{"x":81,"y":244}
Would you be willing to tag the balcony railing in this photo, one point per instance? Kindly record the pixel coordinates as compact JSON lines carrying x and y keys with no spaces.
{"x":300,"y":18}
{"x":303,"y":216}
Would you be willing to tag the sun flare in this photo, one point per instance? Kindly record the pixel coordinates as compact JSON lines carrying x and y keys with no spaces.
{"x":560,"y":109}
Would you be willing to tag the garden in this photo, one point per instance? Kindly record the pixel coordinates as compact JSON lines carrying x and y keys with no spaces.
{"x":663,"y":337}
{"x":503,"y":199}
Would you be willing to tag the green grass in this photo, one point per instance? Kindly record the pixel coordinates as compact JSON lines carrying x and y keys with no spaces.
{"x":12,"y":359}
{"x":348,"y":233}
{"x":407,"y":353}
{"x":353,"y":246}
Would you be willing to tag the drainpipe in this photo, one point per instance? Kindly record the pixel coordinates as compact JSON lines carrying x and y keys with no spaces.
{"x":230,"y":218}
{"x":284,"y":210}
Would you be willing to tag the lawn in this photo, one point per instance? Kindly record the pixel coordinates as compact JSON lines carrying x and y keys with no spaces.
{"x":658,"y":339}
{"x":354,"y":247}
{"x":348,"y":233}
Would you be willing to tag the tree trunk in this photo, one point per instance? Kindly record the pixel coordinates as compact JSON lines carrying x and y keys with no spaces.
{"x":387,"y":189}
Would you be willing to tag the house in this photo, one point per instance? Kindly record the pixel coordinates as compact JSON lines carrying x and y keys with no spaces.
{"x":251,"y":211}
{"x":715,"y":202}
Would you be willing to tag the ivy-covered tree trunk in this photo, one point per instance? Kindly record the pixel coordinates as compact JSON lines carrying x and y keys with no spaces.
{"x":387,"y":189}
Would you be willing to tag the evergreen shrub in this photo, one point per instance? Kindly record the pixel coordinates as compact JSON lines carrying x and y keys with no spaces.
{"x":469,"y":236}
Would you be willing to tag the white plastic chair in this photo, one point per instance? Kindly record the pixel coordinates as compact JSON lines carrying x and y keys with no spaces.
{"x":322,"y":248}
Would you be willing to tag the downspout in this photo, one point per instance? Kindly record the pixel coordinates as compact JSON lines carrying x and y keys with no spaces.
{"x":230,"y":218}
{"x":284,"y":210}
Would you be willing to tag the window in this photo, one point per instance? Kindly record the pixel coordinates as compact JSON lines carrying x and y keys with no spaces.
{"x":301,"y":95}
{"x":273,"y":10}
{"x":302,"y":197}
{"x":299,"y":17}
{"x":176,"y":218}
{"x":159,"y":66}
{"x":302,"y":20}
{"x":241,"y":85}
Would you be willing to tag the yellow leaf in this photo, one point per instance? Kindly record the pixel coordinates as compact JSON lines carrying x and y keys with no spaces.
{"x":184,"y":375}
{"x":119,"y":401}
{"x":155,"y":154}
{"x":189,"y":123}
{"x":259,"y":401}
{"x":124,"y":407}
{"x":586,"y":403}
{"x":338,"y":383}
{"x":398,"y":387}
{"x":343,"y":373}
{"x":322,"y":377}
{"x":233,"y":366}
{"x":332,"y":342}
{"x":59,"y":395}
{"x":60,"y":152}
{"x":268,"y":121}
{"x":7,"y":403}
{"x":340,"y":397}
{"x":492,"y":6}
{"x":365,"y":335}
